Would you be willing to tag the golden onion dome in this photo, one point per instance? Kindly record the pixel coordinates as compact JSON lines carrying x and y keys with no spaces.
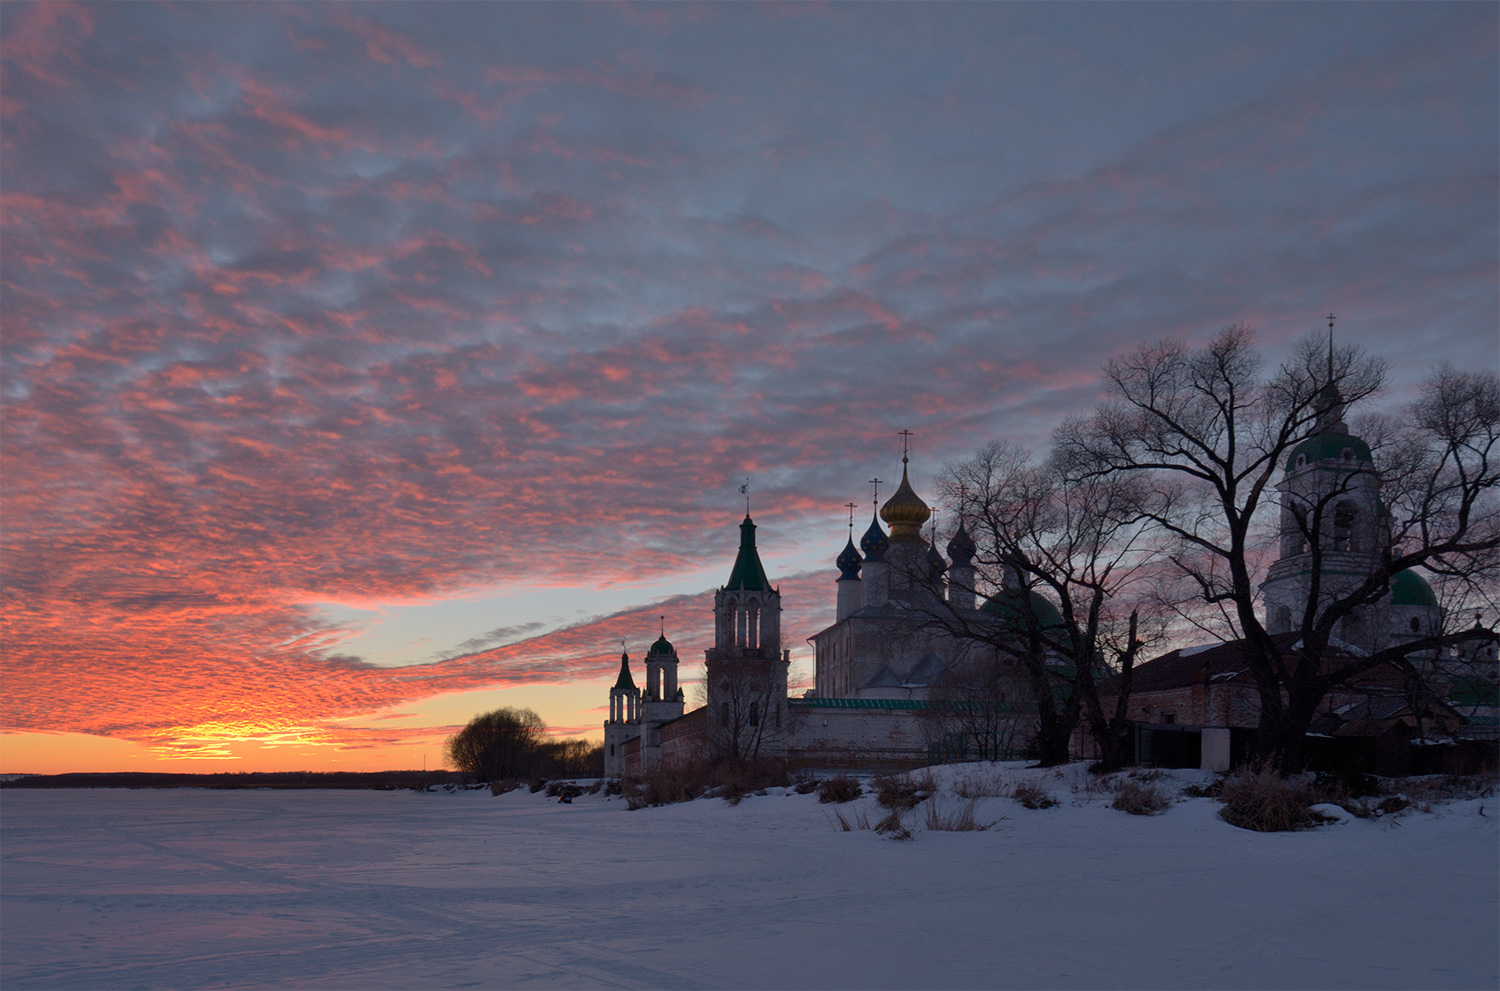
{"x":904,"y":511}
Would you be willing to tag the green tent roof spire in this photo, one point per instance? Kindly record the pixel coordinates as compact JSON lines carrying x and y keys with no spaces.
{"x":748,"y":573}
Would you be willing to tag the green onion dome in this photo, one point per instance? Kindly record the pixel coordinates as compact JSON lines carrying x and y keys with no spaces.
{"x":1007,"y":606}
{"x":1329,"y":447}
{"x":1410,"y":589}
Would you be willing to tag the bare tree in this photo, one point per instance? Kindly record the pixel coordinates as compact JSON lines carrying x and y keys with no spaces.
{"x":497,"y":745}
{"x":1062,"y":555}
{"x":746,"y":701}
{"x":1206,"y":433}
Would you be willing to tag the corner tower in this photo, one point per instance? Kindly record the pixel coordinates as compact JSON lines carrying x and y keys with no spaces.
{"x":624,"y":723}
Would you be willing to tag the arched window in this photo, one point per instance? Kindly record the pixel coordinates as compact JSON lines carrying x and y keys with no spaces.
{"x":754,"y":714}
{"x":1343,"y":526}
{"x":1416,"y":625}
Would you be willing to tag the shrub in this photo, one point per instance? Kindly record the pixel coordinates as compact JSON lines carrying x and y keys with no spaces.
{"x":1261,"y":800}
{"x":839,"y":790}
{"x":662,"y":788}
{"x":1140,"y":799}
{"x":564,"y":791}
{"x":504,"y":785}
{"x":1033,"y":796}
{"x":892,"y":826}
{"x":806,"y":786}
{"x":961,"y":820}
{"x":979,"y":785}
{"x":860,"y":820}
{"x":537,"y":784}
{"x":733,"y":780}
{"x":899,"y":792}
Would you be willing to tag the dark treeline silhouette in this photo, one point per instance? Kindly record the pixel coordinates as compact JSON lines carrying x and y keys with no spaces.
{"x":370,"y":780}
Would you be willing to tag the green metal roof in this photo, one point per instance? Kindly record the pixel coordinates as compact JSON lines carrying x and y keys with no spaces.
{"x":1410,"y":589}
{"x":903,"y":704}
{"x":624,"y":681}
{"x":662,"y":646}
{"x":1006,"y":605}
{"x":859,"y":703}
{"x":1329,"y":447}
{"x":748,"y":573}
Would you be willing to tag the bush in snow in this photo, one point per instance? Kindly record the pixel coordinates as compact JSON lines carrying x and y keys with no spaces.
{"x":732,"y":780}
{"x":960,"y":820}
{"x":839,"y":790}
{"x":1140,"y":798}
{"x":899,"y":792}
{"x":893,"y":827}
{"x":1264,"y":801}
{"x":1032,"y":795}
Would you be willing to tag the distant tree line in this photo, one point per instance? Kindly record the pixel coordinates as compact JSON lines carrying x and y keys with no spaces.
{"x":512,"y":743}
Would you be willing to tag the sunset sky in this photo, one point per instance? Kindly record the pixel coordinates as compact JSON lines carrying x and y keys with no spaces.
{"x":370,"y":366}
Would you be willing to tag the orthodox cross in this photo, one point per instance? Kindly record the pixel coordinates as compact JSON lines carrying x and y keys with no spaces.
{"x":876,"y":482}
{"x":745,"y":491}
{"x":1330,"y":347}
{"x":905,"y":443}
{"x":851,"y":519}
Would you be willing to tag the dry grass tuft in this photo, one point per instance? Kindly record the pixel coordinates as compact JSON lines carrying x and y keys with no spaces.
{"x":900,"y":792}
{"x":1033,"y":796}
{"x":836,"y":791}
{"x":1141,"y":799}
{"x":977,"y":784}
{"x":1263,"y":801}
{"x":960,"y":820}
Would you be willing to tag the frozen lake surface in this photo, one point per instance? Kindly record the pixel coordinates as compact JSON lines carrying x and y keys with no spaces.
{"x":351,"y":889}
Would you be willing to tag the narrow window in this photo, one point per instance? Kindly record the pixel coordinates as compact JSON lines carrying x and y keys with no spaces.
{"x":1343,"y":527}
{"x":1169,"y":717}
{"x":1416,"y":625}
{"x":754,"y":714}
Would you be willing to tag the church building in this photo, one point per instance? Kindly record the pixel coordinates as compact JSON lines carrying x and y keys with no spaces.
{"x":890,"y":677}
{"x":880,"y":669}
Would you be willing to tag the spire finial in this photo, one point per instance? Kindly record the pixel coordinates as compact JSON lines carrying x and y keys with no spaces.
{"x":905,"y":444}
{"x":745,"y":491}
{"x":1330,"y":347}
{"x":663,"y":626}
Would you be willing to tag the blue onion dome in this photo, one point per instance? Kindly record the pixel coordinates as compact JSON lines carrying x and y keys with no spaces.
{"x":874,"y":543}
{"x":961,"y":547}
{"x":935,"y":560}
{"x":662,"y":646}
{"x":1410,"y":589}
{"x":849,"y":561}
{"x":905,"y":511}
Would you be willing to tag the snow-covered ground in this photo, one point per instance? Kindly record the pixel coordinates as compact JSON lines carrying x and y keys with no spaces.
{"x":336,"y":889}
